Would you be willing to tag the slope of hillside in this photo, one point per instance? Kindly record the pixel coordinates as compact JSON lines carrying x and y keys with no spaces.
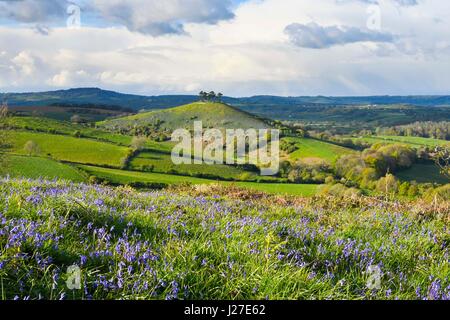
{"x":66,"y":148}
{"x":312,"y":148}
{"x":217,"y":115}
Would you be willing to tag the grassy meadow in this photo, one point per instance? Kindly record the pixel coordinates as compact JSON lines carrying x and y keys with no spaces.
{"x":69,"y":149}
{"x":122,"y":177}
{"x":312,"y":148}
{"x":47,"y":125}
{"x":36,"y":168}
{"x":162,"y":163}
{"x":201,"y":245}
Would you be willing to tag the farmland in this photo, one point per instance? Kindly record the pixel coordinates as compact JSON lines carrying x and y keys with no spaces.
{"x":140,"y":227}
{"x":36,"y":168}
{"x":115,"y":176}
{"x":162,"y":163}
{"x":47,"y":125}
{"x":311,"y":148}
{"x":69,"y":148}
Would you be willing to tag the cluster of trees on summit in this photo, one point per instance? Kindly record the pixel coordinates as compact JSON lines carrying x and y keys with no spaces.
{"x":210,"y":96}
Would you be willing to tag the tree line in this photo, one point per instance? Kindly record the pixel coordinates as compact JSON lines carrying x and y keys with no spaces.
{"x":427,"y":129}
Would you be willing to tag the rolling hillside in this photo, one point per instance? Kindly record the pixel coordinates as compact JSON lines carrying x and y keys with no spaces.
{"x":71,"y":149}
{"x":312,"y":148}
{"x":35,"y":167}
{"x":97,"y":95}
{"x":216,"y":115}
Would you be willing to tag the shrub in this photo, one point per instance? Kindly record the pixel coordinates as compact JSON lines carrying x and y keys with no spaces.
{"x":138,"y":143}
{"x":31,"y":148}
{"x":388,"y":184}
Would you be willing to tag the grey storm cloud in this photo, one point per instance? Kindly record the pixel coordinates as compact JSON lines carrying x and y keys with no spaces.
{"x":32,"y":11}
{"x":154,"y":17}
{"x":315,"y":36}
{"x":157,"y":17}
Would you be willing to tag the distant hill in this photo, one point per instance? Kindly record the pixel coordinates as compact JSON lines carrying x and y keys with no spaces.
{"x":216,"y":115}
{"x":105,"y":97}
{"x":405,"y":109}
{"x":83,"y":96}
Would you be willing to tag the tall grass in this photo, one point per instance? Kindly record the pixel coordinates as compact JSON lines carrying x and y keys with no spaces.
{"x":199,"y":244}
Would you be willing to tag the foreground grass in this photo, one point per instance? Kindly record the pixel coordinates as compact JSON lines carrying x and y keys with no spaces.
{"x":159,"y":245}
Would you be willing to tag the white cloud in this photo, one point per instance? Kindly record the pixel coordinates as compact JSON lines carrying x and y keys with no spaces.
{"x":314,"y":36}
{"x":249,"y":54}
{"x":24,"y":63}
{"x":157,"y":17}
{"x":31,"y":11}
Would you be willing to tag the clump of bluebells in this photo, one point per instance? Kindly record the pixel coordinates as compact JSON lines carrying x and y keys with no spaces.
{"x":165,"y":245}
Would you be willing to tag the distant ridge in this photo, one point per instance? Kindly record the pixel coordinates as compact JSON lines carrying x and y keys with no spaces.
{"x":137,"y":102}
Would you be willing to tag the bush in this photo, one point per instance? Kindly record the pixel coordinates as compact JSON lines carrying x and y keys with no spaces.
{"x":404,"y":189}
{"x":31,"y":148}
{"x":388,"y":184}
{"x":138,"y":143}
{"x":413,"y":190}
{"x":442,"y":193}
{"x":329,"y":180}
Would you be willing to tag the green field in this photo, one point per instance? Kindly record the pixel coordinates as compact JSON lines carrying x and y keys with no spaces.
{"x":312,"y":148}
{"x":47,"y":125}
{"x":423,"y":173}
{"x":162,"y":163}
{"x":215,"y":115}
{"x":132,"y":177}
{"x":70,"y":149}
{"x":305,"y":190}
{"x":411,"y":141}
{"x":34,"y":167}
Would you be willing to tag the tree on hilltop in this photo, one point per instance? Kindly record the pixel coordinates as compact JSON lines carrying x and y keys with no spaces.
{"x":210,"y":96}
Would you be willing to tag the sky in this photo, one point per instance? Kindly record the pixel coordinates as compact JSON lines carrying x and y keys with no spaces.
{"x":238,"y":47}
